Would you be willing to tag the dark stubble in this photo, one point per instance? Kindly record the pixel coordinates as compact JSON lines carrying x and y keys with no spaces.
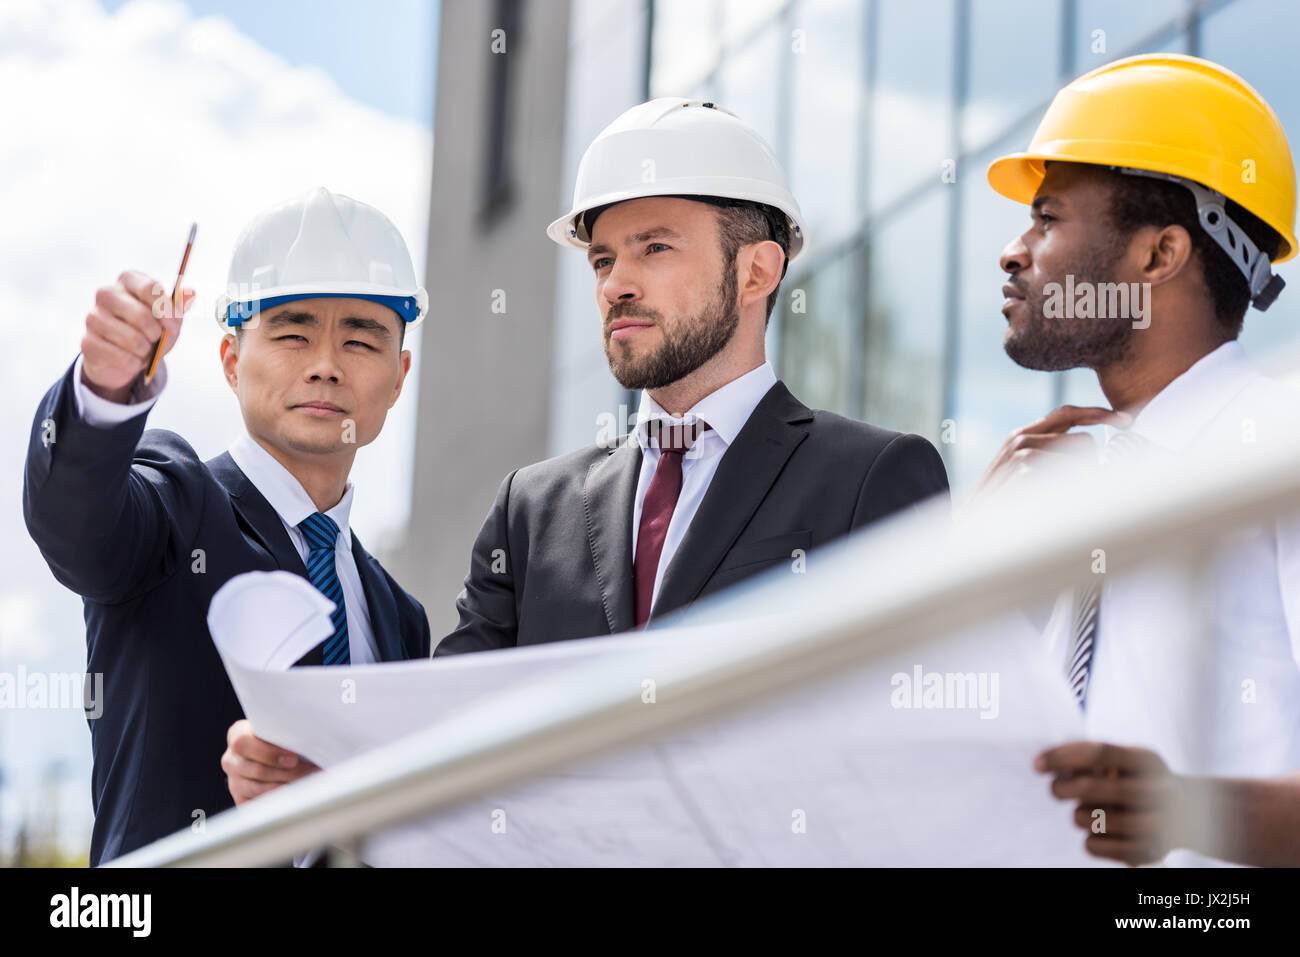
{"x":1052,"y":345}
{"x":687,"y":345}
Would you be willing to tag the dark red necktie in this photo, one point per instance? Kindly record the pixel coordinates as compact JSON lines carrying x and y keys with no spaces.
{"x":657,"y":508}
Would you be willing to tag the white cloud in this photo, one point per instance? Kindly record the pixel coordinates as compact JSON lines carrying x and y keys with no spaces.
{"x":117,"y":131}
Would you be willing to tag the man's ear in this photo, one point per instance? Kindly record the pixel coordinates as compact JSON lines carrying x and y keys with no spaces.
{"x":405,"y":364}
{"x":230,"y":360}
{"x":1164,"y":253}
{"x":761,"y":266}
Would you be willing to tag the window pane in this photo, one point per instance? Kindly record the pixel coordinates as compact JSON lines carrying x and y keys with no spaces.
{"x":825,"y":117}
{"x":685,"y":44}
{"x":1266,"y":59}
{"x":903,"y":348}
{"x":742,"y":17}
{"x":911,"y":103}
{"x":1105,"y":30}
{"x":998,"y":96}
{"x":816,"y":334}
{"x":747,"y":81}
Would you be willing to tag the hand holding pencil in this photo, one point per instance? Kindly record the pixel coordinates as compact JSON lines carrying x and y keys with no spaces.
{"x":133,"y":324}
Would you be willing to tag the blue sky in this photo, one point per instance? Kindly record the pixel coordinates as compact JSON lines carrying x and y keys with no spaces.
{"x":382,"y":52}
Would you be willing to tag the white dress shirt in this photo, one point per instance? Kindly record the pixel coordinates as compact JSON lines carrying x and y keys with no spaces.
{"x":1207,"y":676}
{"x":277,"y":485}
{"x":726,"y":410}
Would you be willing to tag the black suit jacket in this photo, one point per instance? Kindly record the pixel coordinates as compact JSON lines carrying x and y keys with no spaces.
{"x":146,"y":533}
{"x":554,"y":558}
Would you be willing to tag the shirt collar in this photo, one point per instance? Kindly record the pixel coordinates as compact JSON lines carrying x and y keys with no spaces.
{"x":284,"y":492}
{"x":726,"y":409}
{"x":1183,"y":408}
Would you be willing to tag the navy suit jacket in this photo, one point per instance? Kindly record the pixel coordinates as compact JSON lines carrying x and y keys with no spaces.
{"x":146,"y":533}
{"x":554,"y":558}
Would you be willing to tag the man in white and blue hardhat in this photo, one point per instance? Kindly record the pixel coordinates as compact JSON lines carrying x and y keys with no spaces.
{"x":321,"y":246}
{"x":321,"y":291}
{"x":688,"y":223}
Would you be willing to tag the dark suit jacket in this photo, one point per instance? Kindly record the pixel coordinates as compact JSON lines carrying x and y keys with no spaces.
{"x":120,"y":515}
{"x":554,"y":558}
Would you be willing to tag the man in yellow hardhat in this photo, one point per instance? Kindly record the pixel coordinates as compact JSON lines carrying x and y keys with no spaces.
{"x":1162,"y":190}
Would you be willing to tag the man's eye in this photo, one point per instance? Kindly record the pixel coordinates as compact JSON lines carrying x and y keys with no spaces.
{"x":358,"y":342}
{"x":601,"y":263}
{"x":1046,"y":218}
{"x":651,"y":247}
{"x":290,"y":336}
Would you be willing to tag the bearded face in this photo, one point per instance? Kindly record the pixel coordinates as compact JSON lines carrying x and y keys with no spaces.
{"x":668,"y":300}
{"x":1071,"y":246}
{"x":686,"y":341}
{"x":1059,"y":338}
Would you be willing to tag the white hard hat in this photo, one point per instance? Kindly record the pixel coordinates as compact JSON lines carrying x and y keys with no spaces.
{"x":322,"y":244}
{"x":677,"y":147}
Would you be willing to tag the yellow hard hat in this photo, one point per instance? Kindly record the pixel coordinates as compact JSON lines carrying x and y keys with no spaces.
{"x":1176,"y":115}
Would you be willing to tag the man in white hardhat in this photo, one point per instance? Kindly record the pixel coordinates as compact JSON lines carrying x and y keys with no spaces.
{"x":688,"y":225}
{"x":321,"y":293}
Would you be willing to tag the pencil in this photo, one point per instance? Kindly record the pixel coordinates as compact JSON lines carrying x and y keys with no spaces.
{"x":180,"y":275}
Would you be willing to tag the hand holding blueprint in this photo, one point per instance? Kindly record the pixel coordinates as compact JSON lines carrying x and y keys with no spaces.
{"x":920,"y":757}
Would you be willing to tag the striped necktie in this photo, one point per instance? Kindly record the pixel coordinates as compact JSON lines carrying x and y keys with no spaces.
{"x":322,"y":533}
{"x":1078,"y":668}
{"x":1122,"y":447}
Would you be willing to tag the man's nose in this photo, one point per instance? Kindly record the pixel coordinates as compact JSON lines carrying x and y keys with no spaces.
{"x":1015,"y":256}
{"x":620,"y":284}
{"x":324,"y":364}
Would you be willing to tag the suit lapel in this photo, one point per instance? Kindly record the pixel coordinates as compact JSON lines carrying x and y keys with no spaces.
{"x":263,"y":523}
{"x":256,"y":515}
{"x":744,"y":477}
{"x":384,"y":623}
{"x":608,"y":498}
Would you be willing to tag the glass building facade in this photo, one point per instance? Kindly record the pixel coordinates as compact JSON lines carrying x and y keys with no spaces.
{"x":886,"y":114}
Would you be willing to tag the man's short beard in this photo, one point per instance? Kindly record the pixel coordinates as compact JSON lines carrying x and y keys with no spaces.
{"x":1053,"y":345}
{"x":693,"y":342}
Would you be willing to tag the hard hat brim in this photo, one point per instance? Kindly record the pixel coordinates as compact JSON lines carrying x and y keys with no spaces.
{"x":373,"y":292}
{"x":1017,"y":176}
{"x":564,"y":232}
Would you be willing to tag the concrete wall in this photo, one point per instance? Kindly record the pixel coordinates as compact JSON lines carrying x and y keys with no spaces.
{"x":485,"y":376}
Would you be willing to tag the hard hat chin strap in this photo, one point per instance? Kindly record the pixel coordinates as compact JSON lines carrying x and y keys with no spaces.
{"x":1212,"y":211}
